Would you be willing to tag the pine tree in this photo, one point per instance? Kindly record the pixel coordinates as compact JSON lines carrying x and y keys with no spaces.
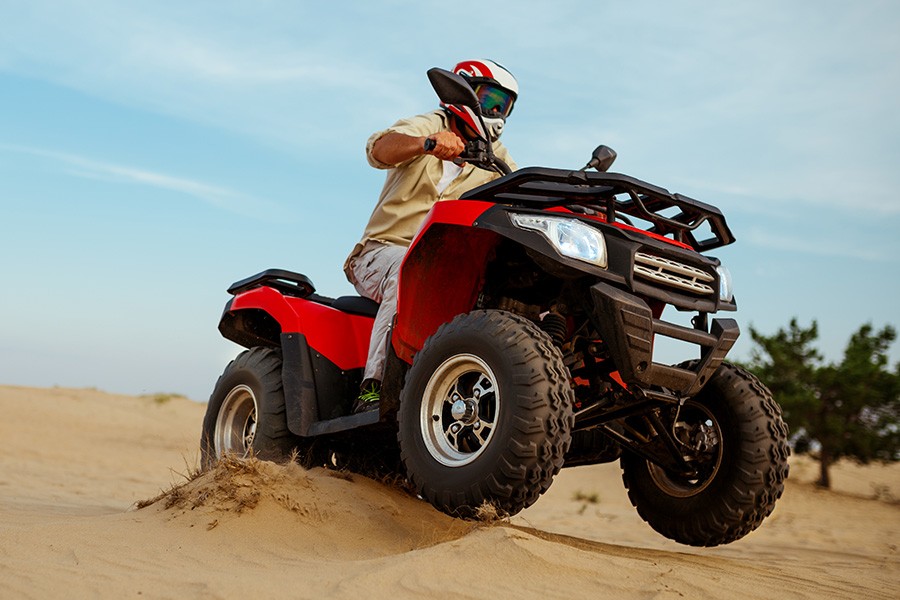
{"x":845,"y":410}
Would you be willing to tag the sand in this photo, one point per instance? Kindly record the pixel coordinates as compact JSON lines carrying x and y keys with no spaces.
{"x":75,"y":464}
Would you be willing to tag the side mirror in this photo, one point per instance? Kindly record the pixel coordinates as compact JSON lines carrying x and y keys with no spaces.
{"x":460,"y":99}
{"x":453,"y":89}
{"x":602,"y":159}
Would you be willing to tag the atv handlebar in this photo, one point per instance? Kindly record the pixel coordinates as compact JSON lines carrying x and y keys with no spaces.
{"x":478,"y":154}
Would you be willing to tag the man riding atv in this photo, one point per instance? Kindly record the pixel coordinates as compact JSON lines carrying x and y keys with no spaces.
{"x":527,"y":315}
{"x":420,"y":154}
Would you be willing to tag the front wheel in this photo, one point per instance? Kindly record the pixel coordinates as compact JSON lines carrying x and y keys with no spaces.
{"x":246,"y":412}
{"x":485,"y":415}
{"x":733,"y":435}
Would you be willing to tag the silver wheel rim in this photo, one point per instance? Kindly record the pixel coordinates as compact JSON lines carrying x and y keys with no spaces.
{"x":236,"y":423}
{"x":704,"y":431}
{"x":459,"y":410}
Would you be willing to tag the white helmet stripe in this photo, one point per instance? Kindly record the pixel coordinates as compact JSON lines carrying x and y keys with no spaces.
{"x":489,"y":70}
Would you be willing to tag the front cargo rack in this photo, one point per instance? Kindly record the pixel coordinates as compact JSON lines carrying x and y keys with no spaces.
{"x":610,"y":194}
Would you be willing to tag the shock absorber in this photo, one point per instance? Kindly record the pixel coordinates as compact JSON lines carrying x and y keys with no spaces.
{"x":555,"y":325}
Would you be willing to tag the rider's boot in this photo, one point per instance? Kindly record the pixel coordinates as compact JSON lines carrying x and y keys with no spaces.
{"x":369,"y":396}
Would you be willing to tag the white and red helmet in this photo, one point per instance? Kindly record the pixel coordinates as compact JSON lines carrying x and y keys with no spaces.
{"x":497,"y":91}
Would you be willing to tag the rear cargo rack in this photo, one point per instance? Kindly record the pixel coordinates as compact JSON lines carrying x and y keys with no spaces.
{"x":286,"y":282}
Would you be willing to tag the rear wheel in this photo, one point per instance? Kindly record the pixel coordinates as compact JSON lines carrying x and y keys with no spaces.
{"x":733,"y":436}
{"x":485,"y":415}
{"x":246,"y":412}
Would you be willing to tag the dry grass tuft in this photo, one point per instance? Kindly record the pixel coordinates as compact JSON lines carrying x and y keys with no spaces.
{"x":162,"y":398}
{"x":342,"y":474}
{"x":191,"y":473}
{"x":882,"y":493}
{"x":588,"y":498}
{"x":233,"y":485}
{"x":489,"y":514}
{"x":399,"y":482}
{"x":585,"y":499}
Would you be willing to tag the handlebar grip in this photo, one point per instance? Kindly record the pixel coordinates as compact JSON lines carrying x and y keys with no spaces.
{"x":429,"y":144}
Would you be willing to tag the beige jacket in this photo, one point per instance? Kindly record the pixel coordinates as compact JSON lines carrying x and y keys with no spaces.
{"x":410,"y":188}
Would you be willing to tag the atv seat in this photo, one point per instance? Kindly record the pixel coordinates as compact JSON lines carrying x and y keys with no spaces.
{"x":356,"y":305}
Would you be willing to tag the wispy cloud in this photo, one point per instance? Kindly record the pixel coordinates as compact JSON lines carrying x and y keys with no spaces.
{"x":215,"y":196}
{"x":234,"y":67}
{"x":821,"y":246}
{"x":773,"y":99}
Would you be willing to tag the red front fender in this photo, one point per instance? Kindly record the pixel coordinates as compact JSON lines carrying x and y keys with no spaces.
{"x":442,"y":273}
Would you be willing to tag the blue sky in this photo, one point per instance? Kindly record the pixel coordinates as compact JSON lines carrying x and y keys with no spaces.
{"x":151,"y":153}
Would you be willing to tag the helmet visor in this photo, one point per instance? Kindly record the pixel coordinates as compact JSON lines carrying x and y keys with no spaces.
{"x":495,"y":102}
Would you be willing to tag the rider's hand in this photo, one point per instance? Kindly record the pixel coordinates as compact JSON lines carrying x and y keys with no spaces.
{"x":447,"y":145}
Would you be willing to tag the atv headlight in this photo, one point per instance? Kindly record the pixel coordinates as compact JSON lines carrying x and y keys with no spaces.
{"x":570,"y":237}
{"x":726,"y":287}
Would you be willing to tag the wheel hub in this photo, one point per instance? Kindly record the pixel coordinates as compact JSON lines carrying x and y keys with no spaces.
{"x":465,"y":411}
{"x":698,"y":432}
{"x":459,"y":409}
{"x":236,"y":423}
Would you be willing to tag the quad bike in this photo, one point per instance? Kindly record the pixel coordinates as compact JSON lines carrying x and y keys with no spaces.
{"x":523,"y":343}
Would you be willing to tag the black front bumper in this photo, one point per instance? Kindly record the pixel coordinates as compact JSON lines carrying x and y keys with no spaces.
{"x":627,"y":326}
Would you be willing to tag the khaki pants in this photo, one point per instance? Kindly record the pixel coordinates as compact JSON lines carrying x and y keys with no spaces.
{"x":375,"y":274}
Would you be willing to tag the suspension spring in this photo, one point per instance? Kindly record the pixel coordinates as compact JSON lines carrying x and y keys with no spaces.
{"x":555,"y":325}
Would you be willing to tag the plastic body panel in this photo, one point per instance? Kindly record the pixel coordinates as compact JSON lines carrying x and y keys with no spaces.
{"x":323,"y":348}
{"x":340,"y":337}
{"x":628,"y":326}
{"x":622,"y":244}
{"x":441,"y":273}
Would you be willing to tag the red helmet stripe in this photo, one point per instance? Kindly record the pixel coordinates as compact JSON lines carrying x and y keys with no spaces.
{"x":468,"y":117}
{"x":474,"y":68}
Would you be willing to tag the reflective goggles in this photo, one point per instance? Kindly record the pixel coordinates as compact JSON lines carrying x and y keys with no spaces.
{"x":495,"y":102}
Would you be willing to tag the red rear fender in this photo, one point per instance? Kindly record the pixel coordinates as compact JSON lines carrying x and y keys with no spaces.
{"x":340,"y":337}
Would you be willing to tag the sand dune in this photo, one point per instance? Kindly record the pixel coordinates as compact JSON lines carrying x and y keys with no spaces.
{"x":76,"y":463}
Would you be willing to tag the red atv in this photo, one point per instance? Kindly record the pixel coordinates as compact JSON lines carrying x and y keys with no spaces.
{"x":523,"y":344}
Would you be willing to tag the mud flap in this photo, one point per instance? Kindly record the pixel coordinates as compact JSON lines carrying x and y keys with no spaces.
{"x":300,"y":400}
